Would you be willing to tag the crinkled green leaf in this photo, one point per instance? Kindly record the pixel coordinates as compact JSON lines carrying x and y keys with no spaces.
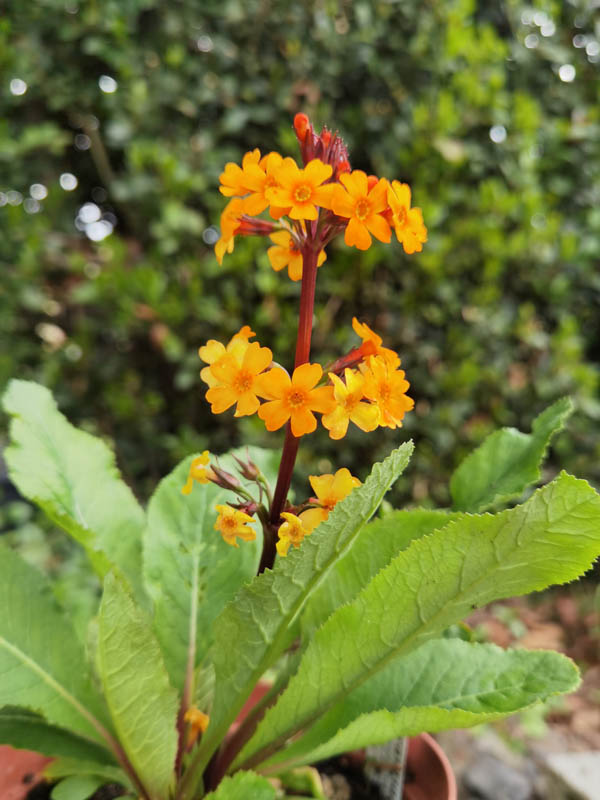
{"x":468,"y":683}
{"x":42,"y":664}
{"x":243,"y":786}
{"x":553,"y":538}
{"x":250,"y":632}
{"x":376,"y":545}
{"x":25,"y":730}
{"x":142,"y":704}
{"x":72,"y":476}
{"x":190,"y":571}
{"x":507,"y":462}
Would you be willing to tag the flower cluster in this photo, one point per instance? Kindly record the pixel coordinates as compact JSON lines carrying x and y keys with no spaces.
{"x":325,"y":195}
{"x":372,"y":394}
{"x":308,"y":206}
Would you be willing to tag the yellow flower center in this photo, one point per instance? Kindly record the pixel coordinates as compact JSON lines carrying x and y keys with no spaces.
{"x":228,"y":523}
{"x":296,"y":398}
{"x":362,"y":209}
{"x":270,"y":183}
{"x":302,"y":193}
{"x":401,"y":216}
{"x":351,"y":401}
{"x":243,"y":381}
{"x":385,"y":391}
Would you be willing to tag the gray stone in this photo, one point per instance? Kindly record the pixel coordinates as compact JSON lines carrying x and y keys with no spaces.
{"x":576,"y":775}
{"x":489,"y":778}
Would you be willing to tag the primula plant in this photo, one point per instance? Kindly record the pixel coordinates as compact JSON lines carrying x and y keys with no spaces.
{"x":243,"y":634}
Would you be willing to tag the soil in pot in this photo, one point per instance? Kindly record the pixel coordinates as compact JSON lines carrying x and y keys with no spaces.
{"x":344,"y":779}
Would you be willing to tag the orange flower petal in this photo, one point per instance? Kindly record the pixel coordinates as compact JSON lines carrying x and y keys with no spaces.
{"x":272,"y":385}
{"x":257,"y":358}
{"x":342,"y":203}
{"x":317,"y":172}
{"x":365,"y":416}
{"x":377,"y":225}
{"x":356,"y":182}
{"x":357,"y":235}
{"x":274,"y":414}
{"x":306,"y":376}
{"x":336,"y":423}
{"x":322,"y":399}
{"x":303,"y":421}
{"x":247,"y":404}
{"x":295,"y":267}
{"x":278,"y":257}
{"x":221,"y":398}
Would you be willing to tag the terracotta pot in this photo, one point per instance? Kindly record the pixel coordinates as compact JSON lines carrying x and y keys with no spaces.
{"x":20,"y":771}
{"x":429,"y":775}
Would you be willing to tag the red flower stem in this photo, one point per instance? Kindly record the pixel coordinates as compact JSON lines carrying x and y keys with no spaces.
{"x":290,"y":446}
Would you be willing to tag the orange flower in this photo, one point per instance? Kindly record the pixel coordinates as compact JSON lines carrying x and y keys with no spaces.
{"x":292,"y":531}
{"x":230,"y":222}
{"x":213,"y":350}
{"x":407,"y":221}
{"x":260,"y":178}
{"x":198,"y":723}
{"x":198,"y":472}
{"x":350,"y":407}
{"x":386,"y":387}
{"x":300,"y":190}
{"x":233,"y":523}
{"x":236,"y":382}
{"x":329,"y":489}
{"x":372,"y":342}
{"x":285,"y":253}
{"x":234,"y":180}
{"x":294,"y":399}
{"x":362,"y":204}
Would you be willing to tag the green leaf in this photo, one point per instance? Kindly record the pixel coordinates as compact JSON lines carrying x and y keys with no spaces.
{"x":376,"y":545}
{"x":79,"y":787}
{"x":243,"y":786}
{"x":445,"y":683}
{"x":142,"y":704}
{"x":42,"y":664}
{"x":251,"y":631}
{"x":27,"y":731}
{"x":72,"y":476}
{"x":438,"y":580}
{"x":507,"y":462}
{"x":190,"y":571}
{"x":65,"y":767}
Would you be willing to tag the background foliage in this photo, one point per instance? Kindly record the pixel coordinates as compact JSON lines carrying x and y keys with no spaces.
{"x":466,"y":101}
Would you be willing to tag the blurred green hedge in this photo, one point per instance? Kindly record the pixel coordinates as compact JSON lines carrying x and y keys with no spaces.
{"x":145,"y":100}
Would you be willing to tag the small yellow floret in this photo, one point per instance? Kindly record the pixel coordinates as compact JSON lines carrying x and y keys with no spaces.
{"x":198,"y":472}
{"x":285,"y":253}
{"x":213,"y":350}
{"x":329,"y":489}
{"x":349,"y":397}
{"x":294,"y":398}
{"x":292,"y":531}
{"x":300,"y":191}
{"x":233,"y":523}
{"x":372,"y":344}
{"x":386,"y":387}
{"x":407,"y":221}
{"x":198,"y":723}
{"x":236,"y":383}
{"x":363,"y":206}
